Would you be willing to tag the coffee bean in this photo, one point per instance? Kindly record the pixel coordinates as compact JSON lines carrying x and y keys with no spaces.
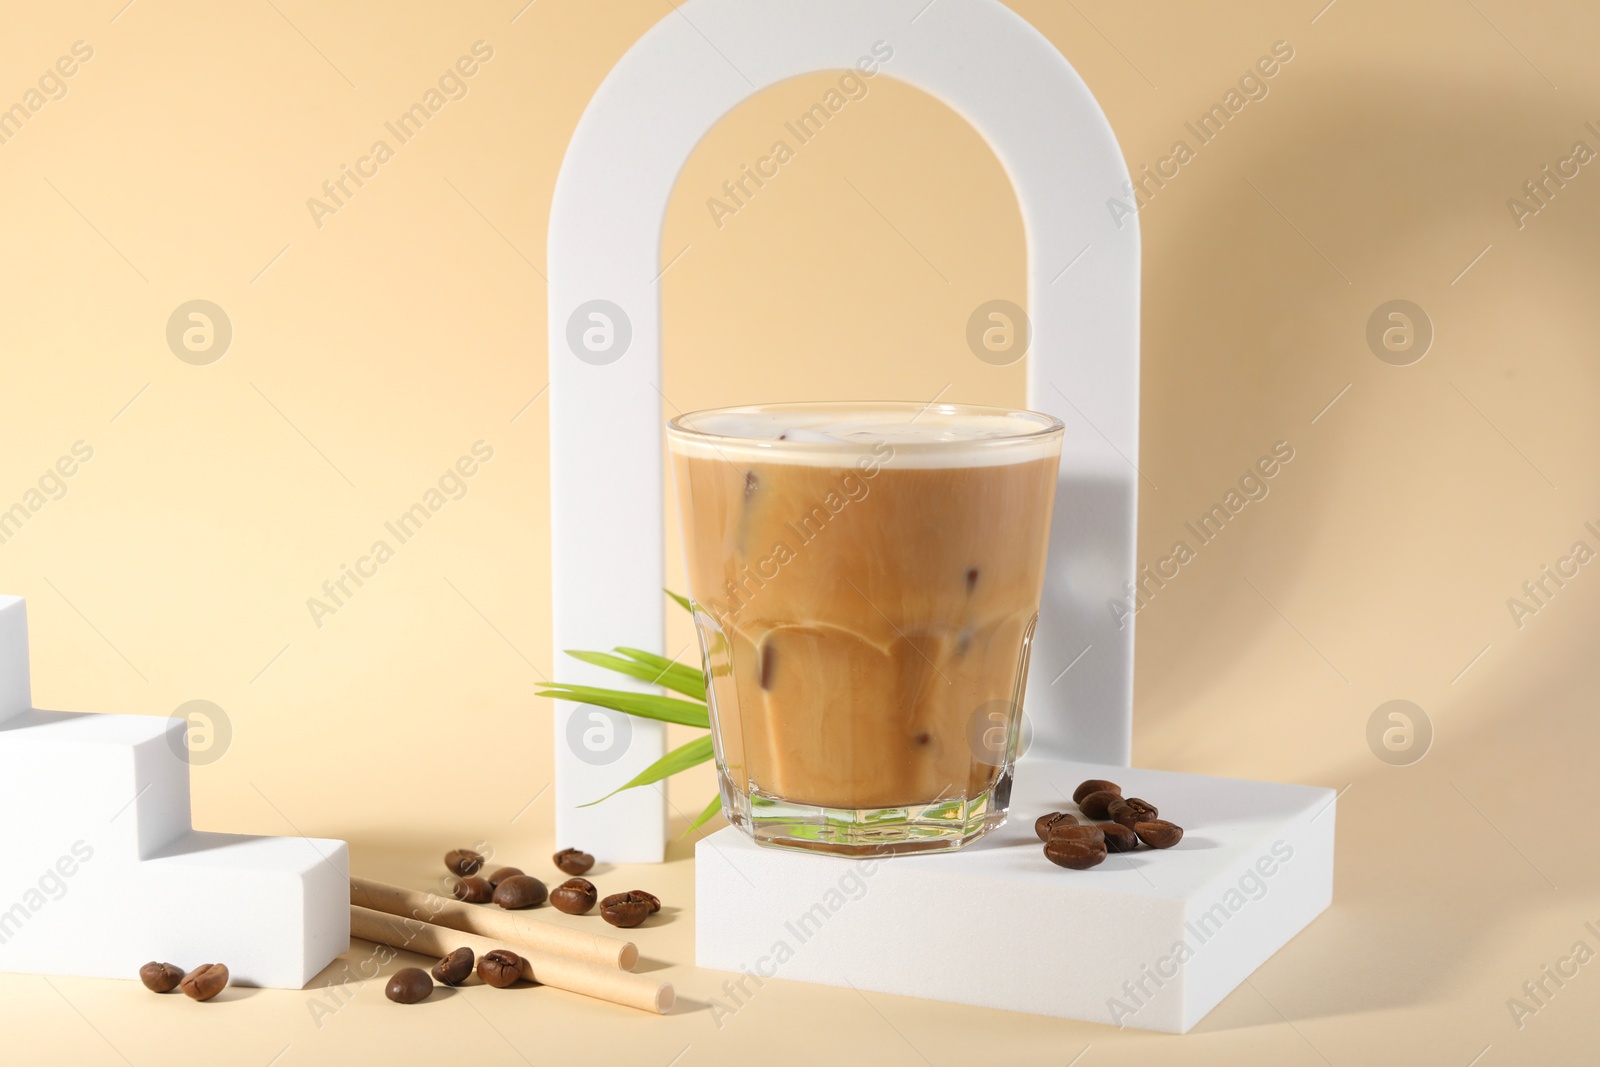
{"x":572,"y":861}
{"x":628,"y":909}
{"x":454,"y":968}
{"x":1158,"y":833}
{"x":463,"y":861}
{"x":1077,"y":847}
{"x":1041,"y":825}
{"x":205,"y":981}
{"x":502,"y":873}
{"x":575,"y":896}
{"x":1095,"y":805}
{"x":409,"y":985}
{"x":1095,"y":785}
{"x":500,"y":968}
{"x":1076,"y":832}
{"x":1131,"y":811}
{"x":474,"y":890}
{"x":520,"y":891}
{"x":1118,"y":837}
{"x":160,"y":977}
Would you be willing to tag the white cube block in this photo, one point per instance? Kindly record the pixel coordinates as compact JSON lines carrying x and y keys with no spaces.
{"x":120,"y":779}
{"x":1149,"y":939}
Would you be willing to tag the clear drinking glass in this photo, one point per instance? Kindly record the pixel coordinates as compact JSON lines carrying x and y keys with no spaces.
{"x":865,"y":580}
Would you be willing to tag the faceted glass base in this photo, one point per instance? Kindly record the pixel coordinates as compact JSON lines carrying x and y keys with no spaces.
{"x":938,"y":826}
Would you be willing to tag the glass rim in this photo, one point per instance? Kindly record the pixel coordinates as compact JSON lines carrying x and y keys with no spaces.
{"x":1042,"y":426}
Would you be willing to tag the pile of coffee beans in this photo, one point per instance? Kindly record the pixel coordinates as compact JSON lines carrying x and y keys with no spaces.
{"x":202,"y":983}
{"x":511,"y":888}
{"x":1121,"y":823}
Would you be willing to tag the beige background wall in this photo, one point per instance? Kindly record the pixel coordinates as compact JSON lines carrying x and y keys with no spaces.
{"x":373,"y":346}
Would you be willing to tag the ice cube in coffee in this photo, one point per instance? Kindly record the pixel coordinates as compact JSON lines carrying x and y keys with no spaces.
{"x":866,"y":580}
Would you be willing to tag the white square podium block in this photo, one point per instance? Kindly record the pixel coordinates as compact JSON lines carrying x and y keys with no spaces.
{"x":75,"y":770}
{"x":1149,"y":939}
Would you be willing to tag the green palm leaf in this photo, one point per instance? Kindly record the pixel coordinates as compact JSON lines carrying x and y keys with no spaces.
{"x":657,"y":671}
{"x":713,"y":809}
{"x":679,"y":759}
{"x":644,"y":705}
{"x":683,"y":601}
{"x":674,"y":675}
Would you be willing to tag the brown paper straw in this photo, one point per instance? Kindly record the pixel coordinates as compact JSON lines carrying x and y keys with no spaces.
{"x":592,"y":980}
{"x":521,"y":930}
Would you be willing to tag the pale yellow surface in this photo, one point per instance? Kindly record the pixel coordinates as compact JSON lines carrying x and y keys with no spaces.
{"x":379,"y":347}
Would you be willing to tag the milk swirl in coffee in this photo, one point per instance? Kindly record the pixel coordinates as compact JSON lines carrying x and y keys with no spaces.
{"x":867,"y":580}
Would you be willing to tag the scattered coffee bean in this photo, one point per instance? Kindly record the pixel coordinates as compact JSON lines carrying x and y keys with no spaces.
{"x":520,"y":891}
{"x":1041,"y":825}
{"x":454,"y":968}
{"x":474,"y":890}
{"x":1118,"y":837}
{"x":205,"y":981}
{"x":160,"y":977}
{"x":463,"y":861}
{"x":1131,"y":811}
{"x":1095,"y":805}
{"x":500,"y":968}
{"x":1158,"y":833}
{"x":1077,"y":847}
{"x":572,"y":861}
{"x":409,"y":985}
{"x":575,"y":896}
{"x":628,"y":909}
{"x":1095,"y":785}
{"x":502,"y":873}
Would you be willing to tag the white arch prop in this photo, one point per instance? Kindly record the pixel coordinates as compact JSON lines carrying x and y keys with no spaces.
{"x":611,"y":197}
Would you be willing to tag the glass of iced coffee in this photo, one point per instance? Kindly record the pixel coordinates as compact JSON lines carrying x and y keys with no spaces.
{"x":865,"y":580}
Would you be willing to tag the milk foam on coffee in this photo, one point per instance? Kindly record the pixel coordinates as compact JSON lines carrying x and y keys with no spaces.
{"x":924,"y":436}
{"x":866,"y":581}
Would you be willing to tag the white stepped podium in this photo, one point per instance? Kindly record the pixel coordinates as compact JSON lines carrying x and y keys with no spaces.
{"x":101,"y":871}
{"x":1148,"y":939}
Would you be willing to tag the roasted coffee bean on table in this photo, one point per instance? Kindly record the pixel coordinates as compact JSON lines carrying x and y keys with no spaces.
{"x":1158,"y":833}
{"x":1118,"y":837}
{"x":500,"y":968}
{"x":575,"y":896}
{"x":205,"y":981}
{"x":409,"y":985}
{"x":520,"y":891}
{"x":474,"y":890}
{"x":1095,"y":785}
{"x":630,"y":908}
{"x":502,"y":873}
{"x":454,"y":968}
{"x":463,"y":861}
{"x":1077,"y":847}
{"x":1096,"y":805}
{"x":572,"y":861}
{"x":1041,"y":825}
{"x":1131,"y":811}
{"x":160,"y":977}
